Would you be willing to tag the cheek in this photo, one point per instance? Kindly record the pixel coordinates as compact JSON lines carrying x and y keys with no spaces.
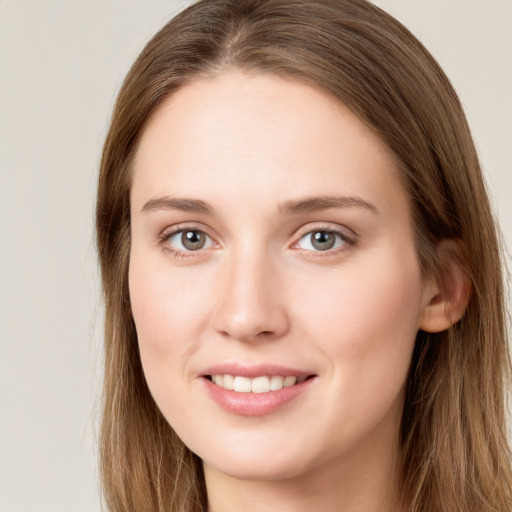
{"x":366,"y":323}
{"x":365,"y":326}
{"x":169,"y":312}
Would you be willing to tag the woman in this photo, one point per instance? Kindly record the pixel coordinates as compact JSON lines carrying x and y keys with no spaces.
{"x":304,"y":301}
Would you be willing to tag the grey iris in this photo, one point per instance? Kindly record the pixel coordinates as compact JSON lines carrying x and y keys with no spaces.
{"x":323,"y":240}
{"x":193,"y":240}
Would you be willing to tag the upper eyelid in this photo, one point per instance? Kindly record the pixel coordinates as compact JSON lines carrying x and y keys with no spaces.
{"x":331,"y":227}
{"x":303,"y":230}
{"x":345,"y":239}
{"x":177,"y":228}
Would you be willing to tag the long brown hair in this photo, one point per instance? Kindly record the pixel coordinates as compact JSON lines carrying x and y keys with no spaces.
{"x":454,"y":452}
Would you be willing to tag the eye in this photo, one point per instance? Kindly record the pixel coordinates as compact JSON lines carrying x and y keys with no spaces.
{"x":322,"y":240}
{"x":188,"y":240}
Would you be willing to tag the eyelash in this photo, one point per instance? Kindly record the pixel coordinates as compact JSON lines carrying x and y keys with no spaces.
{"x":347,"y":241}
{"x":168,"y":234}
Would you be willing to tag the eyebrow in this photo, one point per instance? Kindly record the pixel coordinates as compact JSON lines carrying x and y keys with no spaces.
{"x":173,"y":203}
{"x":314,"y":204}
{"x":294,"y":207}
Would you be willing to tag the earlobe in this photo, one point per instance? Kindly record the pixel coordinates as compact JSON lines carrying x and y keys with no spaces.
{"x":447,"y":296}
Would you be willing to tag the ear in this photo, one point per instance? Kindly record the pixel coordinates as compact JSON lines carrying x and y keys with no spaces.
{"x":446,"y":296}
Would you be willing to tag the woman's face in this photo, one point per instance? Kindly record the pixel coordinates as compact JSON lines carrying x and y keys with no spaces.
{"x":272,"y":242}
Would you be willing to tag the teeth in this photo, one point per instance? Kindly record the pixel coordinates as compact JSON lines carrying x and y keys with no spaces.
{"x":262,"y":384}
{"x":276,"y":382}
{"x":289,"y":381}
{"x":228,"y":382}
{"x":242,"y":384}
{"x":218,"y":379}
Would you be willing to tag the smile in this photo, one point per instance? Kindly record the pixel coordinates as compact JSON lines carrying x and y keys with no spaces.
{"x":260,"y":384}
{"x":255,"y":390}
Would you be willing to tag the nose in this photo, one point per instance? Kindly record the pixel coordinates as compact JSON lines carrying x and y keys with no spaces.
{"x":251,"y":306}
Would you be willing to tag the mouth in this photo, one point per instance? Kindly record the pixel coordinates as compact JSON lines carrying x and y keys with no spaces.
{"x":258,"y":384}
{"x":256,"y":389}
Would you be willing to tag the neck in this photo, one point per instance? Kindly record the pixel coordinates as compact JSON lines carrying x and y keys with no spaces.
{"x":363,"y":480}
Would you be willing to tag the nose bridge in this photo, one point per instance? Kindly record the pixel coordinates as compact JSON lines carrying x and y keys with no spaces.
{"x":250,"y":306}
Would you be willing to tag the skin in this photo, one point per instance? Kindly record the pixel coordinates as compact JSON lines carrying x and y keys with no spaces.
{"x":259,"y":292}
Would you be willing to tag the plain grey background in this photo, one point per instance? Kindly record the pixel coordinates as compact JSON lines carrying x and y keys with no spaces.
{"x":61,"y":64}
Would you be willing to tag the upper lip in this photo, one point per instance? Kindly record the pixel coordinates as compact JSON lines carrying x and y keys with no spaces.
{"x":254,"y":370}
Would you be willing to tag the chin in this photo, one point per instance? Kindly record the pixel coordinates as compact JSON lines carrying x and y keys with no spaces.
{"x":266,"y":468}
{"x":262,"y":457}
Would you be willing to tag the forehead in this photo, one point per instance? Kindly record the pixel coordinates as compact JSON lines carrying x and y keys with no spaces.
{"x":258,"y":137}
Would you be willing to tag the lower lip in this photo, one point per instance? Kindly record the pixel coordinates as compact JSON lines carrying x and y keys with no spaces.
{"x":255,"y":404}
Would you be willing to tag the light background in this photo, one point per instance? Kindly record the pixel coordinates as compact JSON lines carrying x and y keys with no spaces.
{"x":61,"y":64}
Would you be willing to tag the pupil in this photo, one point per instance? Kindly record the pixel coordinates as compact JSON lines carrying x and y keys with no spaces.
{"x":323,"y":240}
{"x":193,"y":240}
